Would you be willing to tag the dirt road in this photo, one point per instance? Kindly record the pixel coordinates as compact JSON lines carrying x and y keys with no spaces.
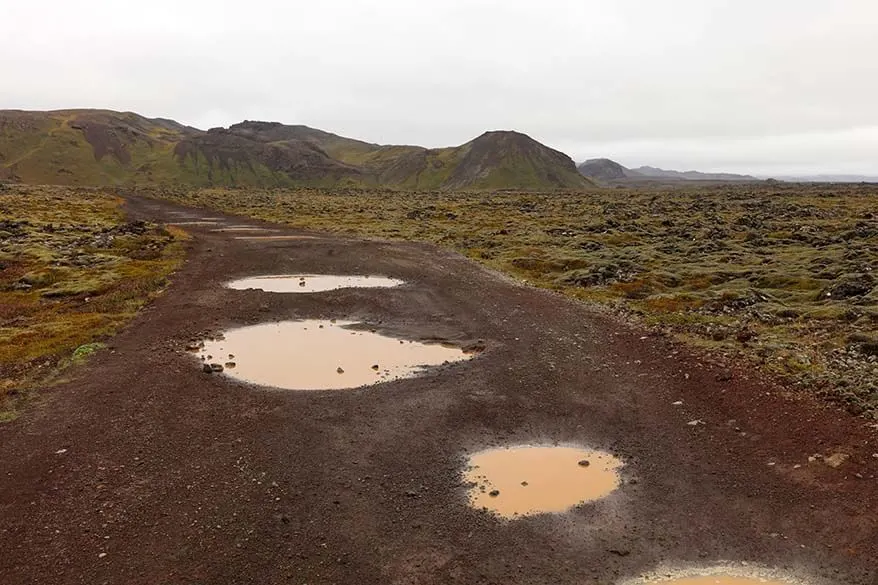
{"x":145,"y":470}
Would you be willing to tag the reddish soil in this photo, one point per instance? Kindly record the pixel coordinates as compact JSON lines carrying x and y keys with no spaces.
{"x":185,"y":477}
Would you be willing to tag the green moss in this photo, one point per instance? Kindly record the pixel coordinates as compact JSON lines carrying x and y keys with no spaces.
{"x":81,"y":353}
{"x":736,"y":269}
{"x":65,"y":286}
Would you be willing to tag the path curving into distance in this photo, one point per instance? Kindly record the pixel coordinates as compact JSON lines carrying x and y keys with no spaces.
{"x":145,"y":469}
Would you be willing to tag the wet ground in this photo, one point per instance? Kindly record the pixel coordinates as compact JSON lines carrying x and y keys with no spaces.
{"x":145,"y":469}
{"x":721,"y":580}
{"x":306,"y":283}
{"x":319,"y":355}
{"x":524,"y":480}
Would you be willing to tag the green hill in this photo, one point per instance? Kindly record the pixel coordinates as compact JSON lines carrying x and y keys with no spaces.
{"x":101,"y":147}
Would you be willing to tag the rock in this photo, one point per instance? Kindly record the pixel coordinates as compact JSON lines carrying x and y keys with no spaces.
{"x":836,"y":460}
{"x":696,"y":422}
{"x":216,"y":367}
{"x":850,"y":285}
{"x":206,"y":369}
{"x":584,"y":463}
{"x":494,"y":493}
{"x":194,"y":345}
{"x":724,"y":376}
{"x":744,"y":335}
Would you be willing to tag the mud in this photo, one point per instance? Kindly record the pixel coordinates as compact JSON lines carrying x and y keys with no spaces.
{"x":720,"y":579}
{"x":274,"y":238}
{"x":242,"y":228}
{"x":195,"y":222}
{"x":183,"y":477}
{"x":320,"y":355}
{"x":309,"y":283}
{"x":532,"y":479}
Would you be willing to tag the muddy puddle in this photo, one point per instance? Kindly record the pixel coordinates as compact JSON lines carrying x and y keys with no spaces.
{"x":274,"y":238}
{"x":242,"y":228}
{"x":719,"y":579}
{"x":319,"y":355}
{"x":194,"y":222}
{"x":309,"y":283}
{"x":533,"y":479}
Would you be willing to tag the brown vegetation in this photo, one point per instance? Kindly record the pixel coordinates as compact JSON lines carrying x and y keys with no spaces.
{"x":72,"y":271}
{"x":781,"y":275}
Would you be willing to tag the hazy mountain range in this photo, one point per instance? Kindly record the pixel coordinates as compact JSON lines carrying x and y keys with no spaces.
{"x":606,"y":170}
{"x":102,"y":147}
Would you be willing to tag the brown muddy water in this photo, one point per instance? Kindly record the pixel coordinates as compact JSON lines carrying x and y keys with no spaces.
{"x":198,"y":222}
{"x":273,"y":238}
{"x":532,"y":479}
{"x":242,"y":228}
{"x":309,"y":283}
{"x":319,"y":355}
{"x":720,"y":579}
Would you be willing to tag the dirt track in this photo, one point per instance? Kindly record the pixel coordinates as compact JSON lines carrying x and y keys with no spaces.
{"x":185,"y":477}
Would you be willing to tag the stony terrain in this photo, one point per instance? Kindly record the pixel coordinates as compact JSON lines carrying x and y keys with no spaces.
{"x":144,"y":469}
{"x":780,"y":276}
{"x":73,"y":270}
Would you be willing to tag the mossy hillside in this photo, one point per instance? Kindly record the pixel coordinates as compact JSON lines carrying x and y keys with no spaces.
{"x":100,"y":147}
{"x":779,"y":275}
{"x":72,"y":271}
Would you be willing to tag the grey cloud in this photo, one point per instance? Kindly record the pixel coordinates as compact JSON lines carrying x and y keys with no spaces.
{"x":710,"y":84}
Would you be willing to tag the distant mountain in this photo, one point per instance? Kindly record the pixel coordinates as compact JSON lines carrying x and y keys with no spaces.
{"x":102,"y":147}
{"x":829,"y":178}
{"x":689,"y":175}
{"x":606,"y":170}
{"x":87,"y":147}
{"x":603,"y":169}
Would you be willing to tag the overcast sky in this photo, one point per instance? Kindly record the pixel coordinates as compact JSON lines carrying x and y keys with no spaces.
{"x":763,"y":86}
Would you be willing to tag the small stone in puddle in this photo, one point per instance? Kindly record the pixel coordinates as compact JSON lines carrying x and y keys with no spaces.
{"x":302,"y":283}
{"x":375,"y":367}
{"x":494,"y":493}
{"x":339,"y":370}
{"x":194,"y":346}
{"x":231,"y":356}
{"x":216,"y":367}
{"x":230,"y":365}
{"x":524,"y":484}
{"x":206,"y":369}
{"x":584,"y":463}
